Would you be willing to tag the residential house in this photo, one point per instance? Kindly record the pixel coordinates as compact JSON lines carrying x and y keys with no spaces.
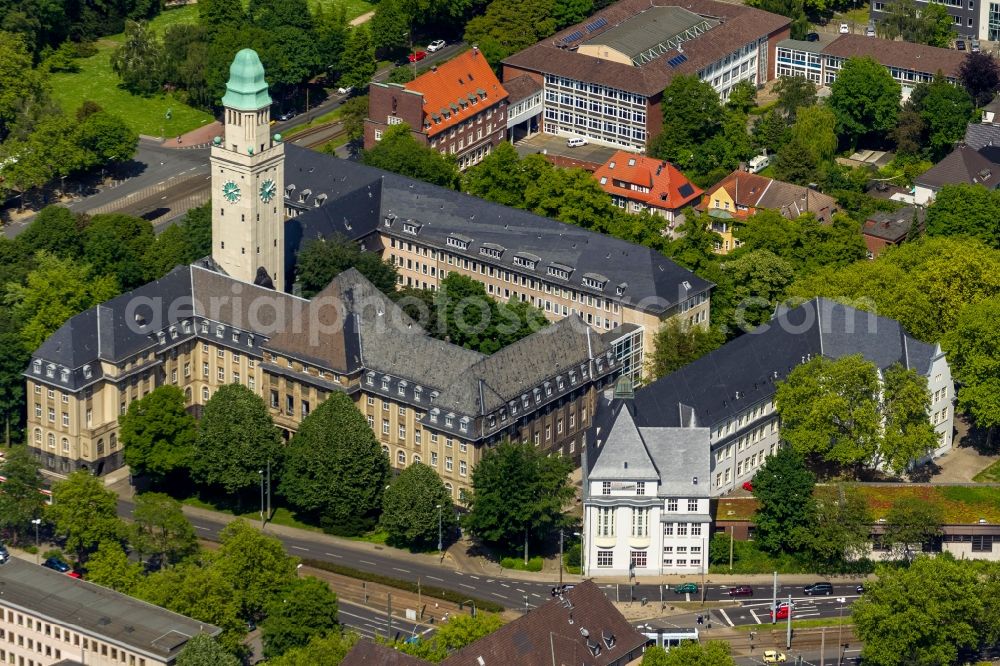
{"x":603,"y":78}
{"x":883,"y":228}
{"x":458,"y":108}
{"x":741,"y":194}
{"x":965,"y":165}
{"x":638,"y":183}
{"x":645,"y":494}
{"x":48,"y":618}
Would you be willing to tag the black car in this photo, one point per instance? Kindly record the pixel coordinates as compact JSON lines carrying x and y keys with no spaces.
{"x":960,"y":44}
{"x":812,"y":37}
{"x":819,"y":588}
{"x":287,"y":115}
{"x":56,"y":564}
{"x":861,"y":588}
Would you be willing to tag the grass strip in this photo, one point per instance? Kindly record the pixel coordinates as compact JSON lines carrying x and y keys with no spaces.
{"x":409,"y":586}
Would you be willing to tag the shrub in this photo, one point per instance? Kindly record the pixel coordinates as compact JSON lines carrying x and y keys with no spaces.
{"x":517,"y":563}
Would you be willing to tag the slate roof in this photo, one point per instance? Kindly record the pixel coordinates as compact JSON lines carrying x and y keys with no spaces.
{"x":521,"y":87}
{"x":365,"y":196}
{"x":668,"y":187}
{"x":553,"y":633}
{"x":893,"y":226}
{"x":982,"y":135}
{"x":905,"y":55}
{"x":751,"y":364}
{"x":370,"y":653}
{"x":448,"y":88}
{"x":623,"y":454}
{"x":962,"y":165}
{"x":739,"y":25}
{"x":97,"y":611}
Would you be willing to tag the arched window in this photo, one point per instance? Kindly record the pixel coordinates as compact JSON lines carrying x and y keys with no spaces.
{"x":385,"y":450}
{"x":38,"y":435}
{"x":416,"y":458}
{"x":450,"y":490}
{"x":204,"y":394}
{"x":100,"y":447}
{"x":401,"y":458}
{"x":65,"y":445}
{"x":187,"y":394}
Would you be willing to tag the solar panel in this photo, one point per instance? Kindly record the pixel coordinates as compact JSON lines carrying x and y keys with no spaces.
{"x":594,"y":25}
{"x":677,"y":59}
{"x":686,"y":190}
{"x":572,"y":38}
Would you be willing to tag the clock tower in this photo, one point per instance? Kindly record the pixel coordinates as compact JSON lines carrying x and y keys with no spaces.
{"x":248,"y":180}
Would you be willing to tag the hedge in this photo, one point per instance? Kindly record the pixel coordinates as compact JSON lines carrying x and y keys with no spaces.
{"x":407,"y":585}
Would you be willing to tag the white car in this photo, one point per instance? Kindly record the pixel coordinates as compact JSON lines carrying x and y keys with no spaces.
{"x":345,"y":90}
{"x":774,"y":657}
{"x":844,"y":28}
{"x":436,"y":45}
{"x":576,"y":142}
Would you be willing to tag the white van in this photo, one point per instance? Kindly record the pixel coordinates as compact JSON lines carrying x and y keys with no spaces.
{"x":576,"y":142}
{"x":759,"y":163}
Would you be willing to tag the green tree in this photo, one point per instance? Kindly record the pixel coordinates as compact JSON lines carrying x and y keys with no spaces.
{"x":214,"y":15}
{"x":54,"y":229}
{"x":655,"y":656}
{"x":398,"y":151}
{"x":335,"y":468}
{"x":936,"y":26}
{"x":197,"y":226}
{"x":690,"y":653}
{"x":973,"y":348}
{"x":168,"y":251}
{"x":110,"y":567}
{"x":321,"y":260}
{"x":20,"y":83}
{"x":796,"y":163}
{"x":676,"y":344}
{"x":692,"y":114}
{"x":391,"y":26}
{"x":410,"y":512}
{"x":327,"y":650}
{"x":160,"y":530}
{"x":912,"y":521}
{"x":742,"y":96}
{"x":357,"y":63}
{"x":158,"y":434}
{"x":305,"y":609}
{"x":946,"y":110}
{"x":20,"y":501}
{"x":203,"y":650}
{"x":770,"y":132}
{"x":518,"y":492}
{"x":794,"y":92}
{"x":980,"y":77}
{"x":116,"y":244}
{"x":254,"y":565}
{"x":510,"y":26}
{"x":840,"y":531}
{"x":922,"y":614}
{"x":106,"y":139}
{"x":236,"y":438}
{"x":200,"y":592}
{"x":331,"y":35}
{"x":786,"y":509}
{"x":352,"y":115}
{"x":460,"y":630}
{"x":910,"y":132}
{"x":966,"y":210}
{"x":500,"y":177}
{"x":84,"y":513}
{"x":759,"y":279}
{"x":907,"y":433}
{"x":829,"y":410}
{"x":865,"y":100}
{"x":815,"y":127}
{"x":138,"y":62}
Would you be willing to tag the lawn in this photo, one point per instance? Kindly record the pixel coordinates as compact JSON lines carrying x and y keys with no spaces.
{"x":989,"y":475}
{"x":281,"y":515}
{"x":800,"y":624}
{"x":860,"y":16}
{"x":354,"y":8}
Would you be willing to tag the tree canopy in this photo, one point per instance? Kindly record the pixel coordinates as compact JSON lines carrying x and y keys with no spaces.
{"x":85,"y":513}
{"x":304,"y":609}
{"x":321,"y":260}
{"x":203,"y":650}
{"x":158,"y":434}
{"x":966,"y":210}
{"x":973,"y":348}
{"x":20,"y":501}
{"x":398,"y":151}
{"x":410,"y":512}
{"x":676,"y":344}
{"x":783,"y":488}
{"x":865,"y":99}
{"x":160,"y":530}
{"x":980,"y":76}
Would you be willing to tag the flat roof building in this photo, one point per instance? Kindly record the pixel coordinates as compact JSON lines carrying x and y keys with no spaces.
{"x":48,"y":618}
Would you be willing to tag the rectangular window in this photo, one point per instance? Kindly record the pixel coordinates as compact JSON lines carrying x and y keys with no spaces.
{"x":448,"y":464}
{"x":671,"y":505}
{"x":402,"y":432}
{"x":605,"y":487}
{"x":982,"y":543}
{"x":371,"y":401}
{"x":695,"y":529}
{"x":604,"y":558}
{"x":605,"y":521}
{"x":434,"y":459}
{"x":385,"y":426}
{"x":640,"y":488}
{"x":462,"y":467}
{"x":692,"y":505}
{"x":637,"y":560}
{"x":682,"y":529}
{"x":640,"y":522}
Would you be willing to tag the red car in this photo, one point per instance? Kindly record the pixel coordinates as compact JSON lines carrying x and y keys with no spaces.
{"x":418,"y":55}
{"x":747,"y":486}
{"x":783,"y":611}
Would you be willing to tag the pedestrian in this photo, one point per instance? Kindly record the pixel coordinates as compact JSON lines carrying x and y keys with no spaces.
{"x":700,"y":620}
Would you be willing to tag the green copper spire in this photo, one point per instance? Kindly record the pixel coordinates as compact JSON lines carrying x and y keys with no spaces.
{"x":246,"y":89}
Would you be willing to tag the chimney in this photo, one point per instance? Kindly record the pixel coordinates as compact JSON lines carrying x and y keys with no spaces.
{"x":475,"y":50}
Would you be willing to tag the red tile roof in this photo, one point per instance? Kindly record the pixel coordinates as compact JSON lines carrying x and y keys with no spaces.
{"x":446,"y":87}
{"x":668,"y":187}
{"x":755,"y":191}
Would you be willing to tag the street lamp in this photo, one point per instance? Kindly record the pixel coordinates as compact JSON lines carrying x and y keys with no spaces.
{"x":840,"y":631}
{"x":440,"y":508}
{"x":261,"y":473}
{"x":36,"y":522}
{"x":560,"y":556}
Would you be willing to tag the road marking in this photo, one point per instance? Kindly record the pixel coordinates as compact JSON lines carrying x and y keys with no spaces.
{"x":334,"y":555}
{"x":199,"y":527}
{"x":519,"y":590}
{"x":300,"y":548}
{"x":403,"y":570}
{"x":504,"y":585}
{"x":441,"y":580}
{"x":497,"y":594}
{"x":722,"y":611}
{"x":471,"y":576}
{"x":459,"y":573}
{"x":756,"y":619}
{"x":366,"y":562}
{"x":468,"y":586}
{"x":536,"y":595}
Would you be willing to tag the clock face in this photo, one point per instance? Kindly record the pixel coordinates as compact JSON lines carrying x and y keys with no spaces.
{"x":231,"y":191}
{"x":267,"y":190}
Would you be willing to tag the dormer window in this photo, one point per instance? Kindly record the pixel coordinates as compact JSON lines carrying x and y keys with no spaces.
{"x":219,"y":330}
{"x":204,"y":327}
{"x":559,"y":271}
{"x":434,"y":415}
{"x":594,"y":281}
{"x":401,"y":389}
{"x":36,"y":367}
{"x":600,"y":364}
{"x":461,"y":242}
{"x":620,"y":289}
{"x":411,"y":228}
{"x":548,"y":388}
{"x":513,"y":407}
{"x":162,"y":337}
{"x":525,"y":260}
{"x":186,"y":326}
{"x":370,"y":379}
{"x":87,"y":372}
{"x":572,"y":376}
{"x":50,"y":370}
{"x":417,"y":391}
{"x":385,"y":383}
{"x":560,"y":383}
{"x":463,"y":424}
{"x":449,"y":420}
{"x":173,"y":332}
{"x":64,"y":375}
{"x":434,"y":395}
{"x":492,"y":250}
{"x":492,"y":421}
{"x":538,"y":395}
{"x":236,"y":336}
{"x":250,"y":340}
{"x":525,"y":400}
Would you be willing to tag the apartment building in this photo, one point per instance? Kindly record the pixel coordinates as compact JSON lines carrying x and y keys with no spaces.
{"x":646,"y":495}
{"x":731,"y":390}
{"x":603,"y":79}
{"x":909,"y":63}
{"x":48,"y":618}
{"x":458,"y":108}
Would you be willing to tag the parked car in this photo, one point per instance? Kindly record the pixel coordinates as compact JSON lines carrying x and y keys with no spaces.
{"x":685,"y":588}
{"x":4,"y":555}
{"x":436,"y":45}
{"x":870,"y":31}
{"x":784,"y":610}
{"x":345,"y":90}
{"x":747,"y":486}
{"x":844,"y":28}
{"x":57,"y":564}
{"x":576,"y":142}
{"x":960,"y":44}
{"x":774,"y":657}
{"x":758,"y":163}
{"x":819,"y":588}
{"x":861,"y":588}
{"x":287,"y":115}
{"x":417,"y":56}
{"x":812,"y":37}
{"x":974,"y":46}
{"x":741,"y":591}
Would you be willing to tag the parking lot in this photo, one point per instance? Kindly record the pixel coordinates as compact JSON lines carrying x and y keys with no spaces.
{"x":552,"y":145}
